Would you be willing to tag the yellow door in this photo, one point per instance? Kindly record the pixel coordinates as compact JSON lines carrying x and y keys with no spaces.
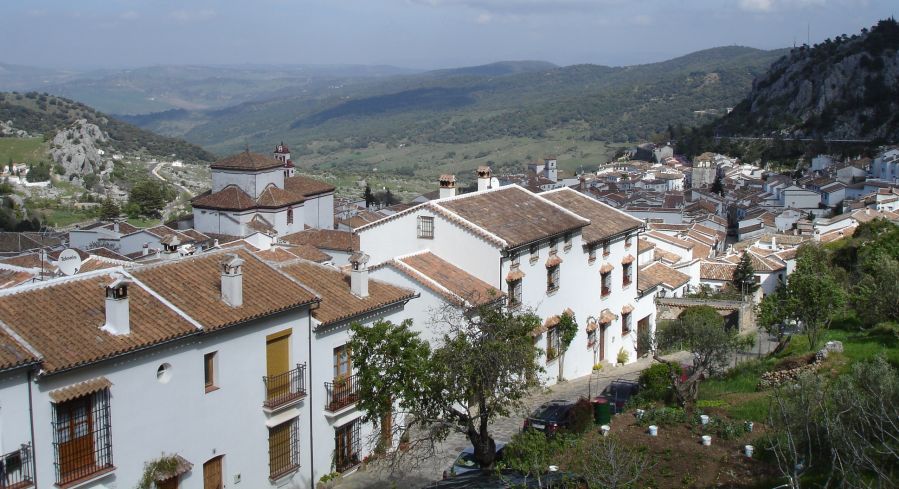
{"x":277,"y":356}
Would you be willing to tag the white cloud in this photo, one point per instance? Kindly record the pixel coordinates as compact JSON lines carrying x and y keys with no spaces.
{"x":757,"y":5}
{"x":193,"y":15}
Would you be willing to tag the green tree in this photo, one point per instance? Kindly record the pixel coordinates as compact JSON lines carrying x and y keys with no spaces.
{"x":482,"y":368}
{"x":531,"y":452}
{"x":148,"y":196}
{"x":39,"y":172}
{"x":368,"y":196}
{"x":605,"y":462}
{"x":814,"y":295}
{"x":701,"y":331}
{"x":744,"y":276}
{"x":567,"y":330}
{"x":109,"y":209}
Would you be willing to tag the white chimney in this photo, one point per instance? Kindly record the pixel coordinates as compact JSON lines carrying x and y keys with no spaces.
{"x":484,"y":175}
{"x":115,"y":226}
{"x":447,"y":186}
{"x":359,"y":274}
{"x":774,"y":243}
{"x":232,"y":280}
{"x":146,"y":250}
{"x":118,"y":320}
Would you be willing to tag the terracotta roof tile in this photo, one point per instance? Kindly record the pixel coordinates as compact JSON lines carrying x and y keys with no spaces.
{"x":193,"y":285}
{"x":338,"y":302}
{"x":644,"y":245}
{"x":658,"y":273}
{"x":108,"y":253}
{"x":273,"y":197}
{"x":607,"y":317}
{"x":246,"y":161}
{"x":54,"y":316}
{"x":553,"y":260}
{"x":328,"y":239}
{"x":13,"y":353}
{"x":230,"y":198}
{"x":306,"y":186}
{"x":13,"y":278}
{"x":514,"y":274}
{"x":665,"y":255}
{"x":291,"y":253}
{"x":513,"y":214}
{"x":713,"y":270}
{"x":447,"y":276}
{"x":29,"y":260}
{"x":79,"y":390}
{"x":605,"y":221}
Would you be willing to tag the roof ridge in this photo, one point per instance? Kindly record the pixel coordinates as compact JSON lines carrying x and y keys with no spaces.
{"x":468,"y":223}
{"x":59,"y":280}
{"x":415,"y":271}
{"x":20,"y":340}
{"x":587,"y":197}
{"x":563,"y":209}
{"x":165,"y":301}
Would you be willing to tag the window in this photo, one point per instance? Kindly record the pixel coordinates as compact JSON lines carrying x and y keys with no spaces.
{"x":567,"y":241}
{"x":290,"y":215}
{"x":626,"y":274}
{"x":553,"y":343}
{"x":606,"y":248}
{"x":283,"y":449}
{"x":591,"y":338}
{"x":535,"y":252}
{"x":343,"y":362}
{"x":591,"y":253}
{"x":515,"y":293}
{"x":426,"y":227}
{"x":515,"y":260}
{"x":625,"y":323}
{"x":18,"y":470}
{"x":81,"y":437}
{"x":210,"y":361}
{"x":346,"y":446}
{"x":627,"y":240}
{"x":606,"y":283}
{"x":553,"y":242}
{"x":552,"y":278}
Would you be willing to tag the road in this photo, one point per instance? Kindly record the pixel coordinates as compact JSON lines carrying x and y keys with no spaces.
{"x":155,"y":172}
{"x":502,"y":429}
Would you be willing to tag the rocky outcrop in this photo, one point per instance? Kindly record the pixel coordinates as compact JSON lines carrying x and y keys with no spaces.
{"x":845,"y":88}
{"x":7,"y":130}
{"x":779,"y":377}
{"x":77,"y":148}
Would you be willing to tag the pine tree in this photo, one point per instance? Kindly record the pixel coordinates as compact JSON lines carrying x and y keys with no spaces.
{"x":369,"y":197}
{"x":109,"y":209}
{"x":744,"y":276}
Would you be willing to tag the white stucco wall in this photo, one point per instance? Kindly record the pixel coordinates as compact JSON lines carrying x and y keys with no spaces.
{"x":252,"y":183}
{"x":15,"y":428}
{"x":319,"y":211}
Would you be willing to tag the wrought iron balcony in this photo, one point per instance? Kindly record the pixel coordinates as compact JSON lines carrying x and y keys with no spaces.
{"x":283,"y":389}
{"x":17,"y":469}
{"x":341,"y":393}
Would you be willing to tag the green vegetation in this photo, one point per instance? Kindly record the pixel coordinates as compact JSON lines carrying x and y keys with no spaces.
{"x":22,"y":150}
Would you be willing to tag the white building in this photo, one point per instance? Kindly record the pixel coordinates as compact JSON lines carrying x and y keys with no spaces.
{"x":252,"y":192}
{"x":553,"y":252}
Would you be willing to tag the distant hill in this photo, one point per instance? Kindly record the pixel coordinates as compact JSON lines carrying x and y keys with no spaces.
{"x":49,"y":115}
{"x":501,"y":100}
{"x":843,"y":88}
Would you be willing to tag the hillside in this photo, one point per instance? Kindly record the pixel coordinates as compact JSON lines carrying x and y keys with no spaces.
{"x":845,"y":88}
{"x":493,"y":104}
{"x":50,"y":115}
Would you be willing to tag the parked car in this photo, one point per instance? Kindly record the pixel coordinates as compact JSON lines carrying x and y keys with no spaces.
{"x":619,"y":392}
{"x":550,"y":417}
{"x":466,"y":463}
{"x":506,"y":479}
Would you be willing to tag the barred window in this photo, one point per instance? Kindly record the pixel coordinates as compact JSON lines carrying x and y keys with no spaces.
{"x":82,"y":443}
{"x":515,"y":293}
{"x":625,"y":323}
{"x":283,"y":448}
{"x":426,"y":227}
{"x":346,"y":446}
{"x":552,"y":278}
{"x":553,"y":343}
{"x":626,"y":274}
{"x":606,"y":247}
{"x":606,"y":283}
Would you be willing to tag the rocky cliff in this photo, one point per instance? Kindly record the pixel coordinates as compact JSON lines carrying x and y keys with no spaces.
{"x":77,"y":148}
{"x":844,"y":88}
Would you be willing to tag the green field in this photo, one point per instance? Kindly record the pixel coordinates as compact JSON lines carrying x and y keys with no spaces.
{"x":22,"y":150}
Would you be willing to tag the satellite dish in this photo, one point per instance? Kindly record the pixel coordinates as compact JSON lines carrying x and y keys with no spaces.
{"x":69,"y":262}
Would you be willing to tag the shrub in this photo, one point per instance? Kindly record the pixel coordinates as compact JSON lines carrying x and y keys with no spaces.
{"x":792,"y":362}
{"x":580,"y":417}
{"x":723,"y":428}
{"x":663,"y":416}
{"x":655,"y":383}
{"x":623,"y":356}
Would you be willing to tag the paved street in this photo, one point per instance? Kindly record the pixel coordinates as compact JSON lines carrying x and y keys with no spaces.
{"x":503,"y":430}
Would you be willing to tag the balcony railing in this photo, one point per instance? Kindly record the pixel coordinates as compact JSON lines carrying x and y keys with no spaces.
{"x":341,"y":393}
{"x":285,"y":388}
{"x":17,"y":469}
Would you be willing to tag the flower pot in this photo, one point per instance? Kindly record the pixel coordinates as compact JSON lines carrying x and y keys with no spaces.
{"x":604,"y":429}
{"x":747,"y":450}
{"x":653,"y":430}
{"x":706,"y":440}
{"x":749,"y":426}
{"x":704,"y":419}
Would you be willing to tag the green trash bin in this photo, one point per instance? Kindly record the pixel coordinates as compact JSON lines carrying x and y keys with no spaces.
{"x":602,"y":411}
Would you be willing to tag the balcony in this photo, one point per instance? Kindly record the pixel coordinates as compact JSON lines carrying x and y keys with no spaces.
{"x":16,"y":469}
{"x":284,"y":389}
{"x":341,"y":393}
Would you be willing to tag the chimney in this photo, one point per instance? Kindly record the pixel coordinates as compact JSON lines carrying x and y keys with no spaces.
{"x":774,"y":243}
{"x":146,"y":250}
{"x":117,"y":314}
{"x":359,"y":274}
{"x":447,"y":186}
{"x":232,"y":280}
{"x":115,"y":226}
{"x":484,"y":175}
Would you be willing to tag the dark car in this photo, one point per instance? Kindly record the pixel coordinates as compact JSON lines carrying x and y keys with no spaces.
{"x":619,"y":392}
{"x":550,"y":417}
{"x":505,"y":479}
{"x":466,"y":463}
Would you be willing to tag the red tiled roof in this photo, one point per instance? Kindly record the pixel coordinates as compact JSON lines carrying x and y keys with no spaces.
{"x":273,"y":197}
{"x":306,"y":186}
{"x":605,"y":221}
{"x":230,"y":198}
{"x":658,"y":273}
{"x":328,"y":239}
{"x":713,"y":270}
{"x":246,"y":161}
{"x":460,"y":285}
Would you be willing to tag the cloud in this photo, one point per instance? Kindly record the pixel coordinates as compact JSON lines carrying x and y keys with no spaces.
{"x":193,"y":15}
{"x":765,"y":6}
{"x":523,"y":7}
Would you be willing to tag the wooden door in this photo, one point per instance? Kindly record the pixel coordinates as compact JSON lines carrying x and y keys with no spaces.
{"x":277,"y":355}
{"x":642,"y":329}
{"x":75,"y":431}
{"x":212,"y":474}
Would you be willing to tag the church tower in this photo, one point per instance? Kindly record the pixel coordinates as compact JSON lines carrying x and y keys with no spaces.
{"x":282,"y":154}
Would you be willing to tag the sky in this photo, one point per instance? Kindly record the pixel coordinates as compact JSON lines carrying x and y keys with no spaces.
{"x":421,"y":34}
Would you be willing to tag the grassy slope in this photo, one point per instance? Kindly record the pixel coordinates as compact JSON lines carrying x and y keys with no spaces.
{"x":22,"y":150}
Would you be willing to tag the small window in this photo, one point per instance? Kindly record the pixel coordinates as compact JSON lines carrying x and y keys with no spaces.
{"x":591,"y":252}
{"x":343,"y":362}
{"x":627,"y":240}
{"x":210,"y":361}
{"x":535,"y":252}
{"x":290,"y":215}
{"x":553,"y":343}
{"x":164,"y":373}
{"x":606,"y":248}
{"x":515,"y":260}
{"x":606,"y":283}
{"x":625,"y":323}
{"x":426,"y":227}
{"x":283,"y":449}
{"x":626,"y":274}
{"x":567,"y":241}
{"x":515,"y":293}
{"x":552,"y":244}
{"x":552,"y":278}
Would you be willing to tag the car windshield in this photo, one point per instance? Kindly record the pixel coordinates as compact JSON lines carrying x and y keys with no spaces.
{"x":466,"y":460}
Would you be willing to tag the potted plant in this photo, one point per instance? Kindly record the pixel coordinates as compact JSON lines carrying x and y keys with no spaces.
{"x":623,"y":356}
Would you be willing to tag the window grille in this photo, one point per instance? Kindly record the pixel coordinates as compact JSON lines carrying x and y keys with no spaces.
{"x":626,"y":275}
{"x":515,"y":293}
{"x":426,"y":227}
{"x":17,"y":468}
{"x":606,"y":283}
{"x":82,"y":441}
{"x":283,"y":448}
{"x":625,"y":323}
{"x":346,"y":446}
{"x":552,"y":279}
